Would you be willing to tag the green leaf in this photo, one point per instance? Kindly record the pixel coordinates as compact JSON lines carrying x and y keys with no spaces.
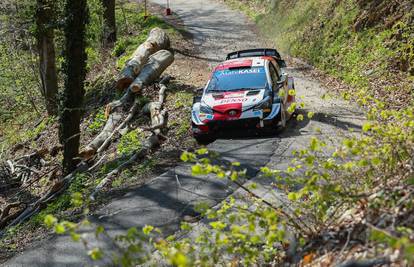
{"x":50,"y":220}
{"x":202,"y":151}
{"x":147,"y":229}
{"x":366,"y":127}
{"x":293,"y":196}
{"x":132,"y":232}
{"x":197,"y":170}
{"x":314,"y":144}
{"x":77,"y":200}
{"x":184,"y":156}
{"x":234,"y":176}
{"x":99,"y":230}
{"x":59,"y":228}
{"x":179,"y":260}
{"x":75,"y":236}
{"x":218,"y":225}
{"x":95,"y":254}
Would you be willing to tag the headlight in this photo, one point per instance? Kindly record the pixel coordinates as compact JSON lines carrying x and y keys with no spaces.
{"x":264,"y":105}
{"x":206,"y":110}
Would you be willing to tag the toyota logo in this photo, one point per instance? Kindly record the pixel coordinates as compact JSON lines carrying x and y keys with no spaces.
{"x":233,"y":113}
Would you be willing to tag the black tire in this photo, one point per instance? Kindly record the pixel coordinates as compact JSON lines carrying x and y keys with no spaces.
{"x":204,"y":139}
{"x":281,"y":118}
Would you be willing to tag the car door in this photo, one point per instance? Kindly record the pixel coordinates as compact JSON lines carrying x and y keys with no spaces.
{"x":279,"y":82}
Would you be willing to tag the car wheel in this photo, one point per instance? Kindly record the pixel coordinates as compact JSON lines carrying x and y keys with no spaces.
{"x":204,"y":139}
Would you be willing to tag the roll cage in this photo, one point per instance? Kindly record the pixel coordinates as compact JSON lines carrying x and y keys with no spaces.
{"x":259,"y":52}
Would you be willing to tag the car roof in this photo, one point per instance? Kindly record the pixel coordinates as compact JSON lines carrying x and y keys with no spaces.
{"x":243,"y":62}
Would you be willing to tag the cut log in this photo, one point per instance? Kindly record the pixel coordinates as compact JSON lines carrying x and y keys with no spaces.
{"x":157,"y":40}
{"x":156,"y":65}
{"x":154,"y":140}
{"x":131,"y":114}
{"x":113,"y":119}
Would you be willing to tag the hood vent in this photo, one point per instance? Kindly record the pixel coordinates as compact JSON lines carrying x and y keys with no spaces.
{"x":254,"y":92}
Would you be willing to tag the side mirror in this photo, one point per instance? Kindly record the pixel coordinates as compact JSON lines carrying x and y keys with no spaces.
{"x":283,"y":78}
{"x":281,"y":63}
{"x":198,"y":91}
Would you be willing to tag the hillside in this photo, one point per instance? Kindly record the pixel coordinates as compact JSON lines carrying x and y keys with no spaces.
{"x":366,"y":43}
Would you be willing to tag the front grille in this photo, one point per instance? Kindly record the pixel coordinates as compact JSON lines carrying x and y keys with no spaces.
{"x":231,"y":124}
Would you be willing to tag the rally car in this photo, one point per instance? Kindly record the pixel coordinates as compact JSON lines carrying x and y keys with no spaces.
{"x":249,"y":89}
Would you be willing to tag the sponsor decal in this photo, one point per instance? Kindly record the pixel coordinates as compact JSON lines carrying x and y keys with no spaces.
{"x":232,"y":100}
{"x":239,"y":72}
{"x":257,"y":113}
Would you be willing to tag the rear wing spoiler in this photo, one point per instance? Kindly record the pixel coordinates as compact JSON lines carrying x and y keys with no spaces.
{"x":258,"y":53}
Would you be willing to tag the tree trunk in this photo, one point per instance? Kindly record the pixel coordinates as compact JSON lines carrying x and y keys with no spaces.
{"x":46,"y":49}
{"x":157,"y":40}
{"x":76,"y":14}
{"x":156,"y":65}
{"x":110,"y":23}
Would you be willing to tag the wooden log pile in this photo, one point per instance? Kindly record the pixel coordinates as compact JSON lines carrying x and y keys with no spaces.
{"x":155,"y":65}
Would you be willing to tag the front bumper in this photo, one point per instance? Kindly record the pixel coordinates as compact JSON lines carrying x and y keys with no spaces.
{"x":205,"y":124}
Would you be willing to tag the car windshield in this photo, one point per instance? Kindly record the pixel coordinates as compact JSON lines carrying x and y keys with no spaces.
{"x":236,"y":79}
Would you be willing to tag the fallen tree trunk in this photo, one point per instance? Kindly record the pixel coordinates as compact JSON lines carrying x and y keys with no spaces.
{"x":156,"y":65}
{"x":157,"y":40}
{"x":151,"y":71}
{"x":158,"y":121}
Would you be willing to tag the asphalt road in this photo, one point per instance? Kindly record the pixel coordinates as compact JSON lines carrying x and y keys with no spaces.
{"x":164,"y":200}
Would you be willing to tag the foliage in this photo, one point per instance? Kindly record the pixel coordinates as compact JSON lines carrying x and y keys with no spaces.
{"x":130,"y":142}
{"x":134,"y":29}
{"x":98,"y":122}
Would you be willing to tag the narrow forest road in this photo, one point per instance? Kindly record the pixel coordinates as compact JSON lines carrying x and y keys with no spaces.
{"x":164,"y":200}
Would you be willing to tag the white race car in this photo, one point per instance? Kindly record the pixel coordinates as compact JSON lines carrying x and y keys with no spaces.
{"x":249,"y":89}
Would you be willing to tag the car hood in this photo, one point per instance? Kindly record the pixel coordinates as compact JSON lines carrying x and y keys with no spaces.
{"x":240,"y":99}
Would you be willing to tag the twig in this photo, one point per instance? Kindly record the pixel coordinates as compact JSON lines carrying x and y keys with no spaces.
{"x":277,"y":209}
